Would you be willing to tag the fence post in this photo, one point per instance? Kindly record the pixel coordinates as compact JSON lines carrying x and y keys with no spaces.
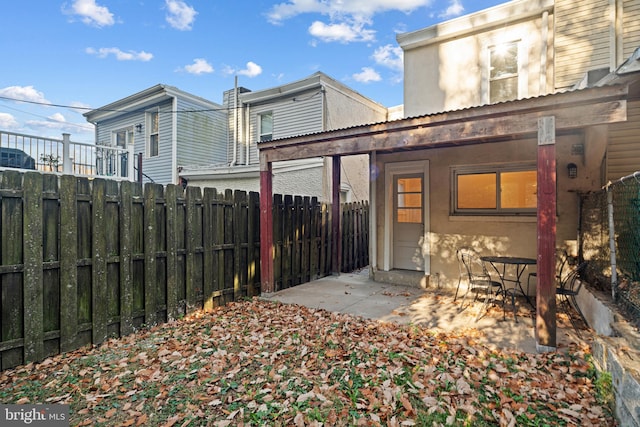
{"x":131,"y":170}
{"x":67,"y":165}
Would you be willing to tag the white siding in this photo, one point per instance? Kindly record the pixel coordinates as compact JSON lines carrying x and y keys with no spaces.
{"x":160,"y":168}
{"x":298,"y":115}
{"x":201,"y":134}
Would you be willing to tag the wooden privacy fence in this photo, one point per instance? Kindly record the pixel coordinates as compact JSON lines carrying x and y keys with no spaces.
{"x":81,"y":260}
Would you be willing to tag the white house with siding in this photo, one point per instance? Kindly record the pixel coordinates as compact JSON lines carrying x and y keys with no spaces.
{"x":167,"y":127}
{"x":314,"y":104}
{"x":183,"y":138}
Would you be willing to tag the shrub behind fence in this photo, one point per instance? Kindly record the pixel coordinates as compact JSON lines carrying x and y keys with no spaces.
{"x":81,"y":260}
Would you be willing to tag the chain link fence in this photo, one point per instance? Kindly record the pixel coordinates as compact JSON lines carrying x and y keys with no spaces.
{"x":610,"y":224}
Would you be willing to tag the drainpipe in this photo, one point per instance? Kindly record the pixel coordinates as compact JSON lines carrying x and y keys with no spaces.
{"x":236,"y":141}
{"x":612,"y":243}
{"x":247,"y":124}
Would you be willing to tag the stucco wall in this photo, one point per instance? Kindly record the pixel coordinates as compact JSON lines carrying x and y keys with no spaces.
{"x":492,"y":235}
{"x":451,"y":74}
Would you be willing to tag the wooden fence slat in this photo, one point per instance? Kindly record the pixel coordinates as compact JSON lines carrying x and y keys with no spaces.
{"x":278,"y":242}
{"x":253,"y":249}
{"x":150,"y":248}
{"x":32,"y":282}
{"x":219,"y":210}
{"x":171,"y":205}
{"x":210,"y":281}
{"x":126,"y":257}
{"x":11,"y":253}
{"x":68,"y":263}
{"x":191,"y":230}
{"x":237,"y":230}
{"x":99,"y":263}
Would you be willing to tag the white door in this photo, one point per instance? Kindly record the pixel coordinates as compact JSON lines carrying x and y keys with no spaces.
{"x":408,"y":221}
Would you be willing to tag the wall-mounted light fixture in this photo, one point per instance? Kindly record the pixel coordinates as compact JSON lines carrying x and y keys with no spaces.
{"x":572,"y":170}
{"x":139,"y":127}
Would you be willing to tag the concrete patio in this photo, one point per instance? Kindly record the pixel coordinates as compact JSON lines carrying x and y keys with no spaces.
{"x":356,"y":294}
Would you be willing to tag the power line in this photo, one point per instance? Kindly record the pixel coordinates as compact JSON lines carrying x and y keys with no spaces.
{"x":111,"y":110}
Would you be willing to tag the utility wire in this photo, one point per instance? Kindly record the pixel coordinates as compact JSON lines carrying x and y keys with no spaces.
{"x":115,"y":110}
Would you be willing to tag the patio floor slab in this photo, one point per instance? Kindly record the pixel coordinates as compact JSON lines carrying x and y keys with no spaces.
{"x":358,"y":295}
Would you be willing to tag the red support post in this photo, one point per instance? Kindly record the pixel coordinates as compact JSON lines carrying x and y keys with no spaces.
{"x":335,"y":215}
{"x":546,"y":231}
{"x":266,"y":228}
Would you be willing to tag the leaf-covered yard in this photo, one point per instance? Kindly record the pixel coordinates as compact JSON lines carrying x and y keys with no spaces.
{"x":265,"y":363}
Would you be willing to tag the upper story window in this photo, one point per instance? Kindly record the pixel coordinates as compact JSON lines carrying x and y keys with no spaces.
{"x":503,"y":72}
{"x":265,"y":121}
{"x":153,"y":147}
{"x":490,"y":190}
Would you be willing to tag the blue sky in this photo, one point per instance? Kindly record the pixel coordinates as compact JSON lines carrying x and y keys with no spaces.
{"x":67,"y":56}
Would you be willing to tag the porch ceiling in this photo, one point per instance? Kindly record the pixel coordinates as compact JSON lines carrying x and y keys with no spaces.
{"x":491,"y":123}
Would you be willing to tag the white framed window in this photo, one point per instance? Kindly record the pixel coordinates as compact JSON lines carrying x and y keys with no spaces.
{"x":123,"y":138}
{"x":494,"y":190}
{"x":265,"y":126}
{"x":153,"y":142}
{"x":504,"y":72}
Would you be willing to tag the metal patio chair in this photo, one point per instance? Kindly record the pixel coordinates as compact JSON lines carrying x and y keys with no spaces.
{"x":474,"y":272}
{"x":567,"y":290}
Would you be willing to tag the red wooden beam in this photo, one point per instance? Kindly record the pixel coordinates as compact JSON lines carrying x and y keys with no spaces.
{"x":266,"y":227}
{"x":335,"y":215}
{"x":546,"y":231}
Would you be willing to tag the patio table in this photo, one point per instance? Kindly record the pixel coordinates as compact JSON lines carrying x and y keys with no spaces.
{"x":500,"y":263}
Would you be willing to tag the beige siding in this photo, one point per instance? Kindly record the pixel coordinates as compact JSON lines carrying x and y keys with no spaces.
{"x":623,"y":156}
{"x":582,"y":39}
{"x":631,"y":26}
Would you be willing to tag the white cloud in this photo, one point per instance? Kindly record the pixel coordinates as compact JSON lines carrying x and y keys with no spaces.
{"x":357,"y":9}
{"x":252,"y":70}
{"x":180,"y":15}
{"x":389,"y":56}
{"x":367,"y":75}
{"x":91,"y":13}
{"x":455,"y":9}
{"x":120,"y":55}
{"x":24,"y":93}
{"x":342,"y":32}
{"x":199,"y":66}
{"x":58,"y":122}
{"x":7,"y":121}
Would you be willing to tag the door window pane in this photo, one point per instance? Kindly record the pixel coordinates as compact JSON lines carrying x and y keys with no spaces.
{"x":409,"y":202}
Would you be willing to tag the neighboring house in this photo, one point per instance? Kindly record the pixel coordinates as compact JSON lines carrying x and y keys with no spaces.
{"x":314,"y":104}
{"x":505,"y":126}
{"x":166,"y":126}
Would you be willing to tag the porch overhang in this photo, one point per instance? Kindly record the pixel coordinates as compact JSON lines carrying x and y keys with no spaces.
{"x":526,"y":118}
{"x":490,"y":123}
